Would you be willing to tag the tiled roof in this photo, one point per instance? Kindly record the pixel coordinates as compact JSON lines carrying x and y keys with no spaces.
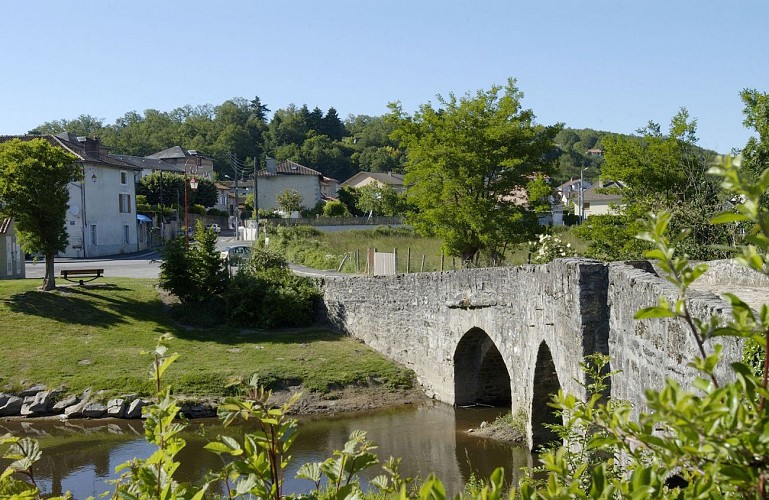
{"x":288,"y":167}
{"x":596,"y":194}
{"x":94,"y":153}
{"x":175,"y":152}
{"x":149,"y":163}
{"x":383,"y":177}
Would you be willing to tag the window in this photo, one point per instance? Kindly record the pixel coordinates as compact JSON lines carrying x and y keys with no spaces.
{"x":126,"y":234}
{"x":123,"y":178}
{"x":93,"y":235}
{"x":124,"y":201}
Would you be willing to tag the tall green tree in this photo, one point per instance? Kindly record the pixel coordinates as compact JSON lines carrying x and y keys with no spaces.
{"x":33,"y":189}
{"x":662,"y":171}
{"x":467,"y":158}
{"x":755,"y":154}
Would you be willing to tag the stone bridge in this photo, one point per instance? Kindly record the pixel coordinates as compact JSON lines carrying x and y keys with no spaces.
{"x":513,"y":336}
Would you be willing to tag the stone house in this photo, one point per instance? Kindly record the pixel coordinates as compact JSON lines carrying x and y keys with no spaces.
{"x":277,"y":177}
{"x":11,"y":256}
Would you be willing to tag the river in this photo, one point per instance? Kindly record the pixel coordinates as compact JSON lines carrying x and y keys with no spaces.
{"x":80,"y":455}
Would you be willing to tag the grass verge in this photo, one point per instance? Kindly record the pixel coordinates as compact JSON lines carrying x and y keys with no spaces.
{"x":94,"y":336}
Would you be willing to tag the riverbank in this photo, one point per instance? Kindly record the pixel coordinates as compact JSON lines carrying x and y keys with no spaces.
{"x":80,"y":338}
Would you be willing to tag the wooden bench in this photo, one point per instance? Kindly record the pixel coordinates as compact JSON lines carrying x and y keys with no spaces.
{"x":80,"y":274}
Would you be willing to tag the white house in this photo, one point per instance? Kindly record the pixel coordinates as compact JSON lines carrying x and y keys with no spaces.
{"x":598,"y":200}
{"x":278,"y":177}
{"x":11,"y":258}
{"x":101,"y":219}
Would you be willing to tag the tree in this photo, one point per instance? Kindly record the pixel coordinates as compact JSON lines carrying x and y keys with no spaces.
{"x":33,"y":189}
{"x":289,"y":201}
{"x":466,"y":161}
{"x":661,"y":172}
{"x":707,"y":441}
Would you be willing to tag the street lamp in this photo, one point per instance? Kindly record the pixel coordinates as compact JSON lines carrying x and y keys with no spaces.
{"x":193,"y":185}
{"x":581,"y":195}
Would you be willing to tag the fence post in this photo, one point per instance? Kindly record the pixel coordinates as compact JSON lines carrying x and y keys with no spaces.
{"x":395,"y":260}
{"x":408,"y":259}
{"x":422,"y":266}
{"x":441,"y":260}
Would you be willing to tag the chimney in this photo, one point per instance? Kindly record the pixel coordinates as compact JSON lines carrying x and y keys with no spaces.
{"x":272,"y":165}
{"x":92,"y":147}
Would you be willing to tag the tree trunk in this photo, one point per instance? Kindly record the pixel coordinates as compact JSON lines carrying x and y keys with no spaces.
{"x":49,"y":282}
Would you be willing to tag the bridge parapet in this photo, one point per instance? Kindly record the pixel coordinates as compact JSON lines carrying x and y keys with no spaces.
{"x":647,"y":352}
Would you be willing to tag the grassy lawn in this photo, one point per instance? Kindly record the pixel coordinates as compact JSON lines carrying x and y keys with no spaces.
{"x":326,"y":250}
{"x":81,"y":337}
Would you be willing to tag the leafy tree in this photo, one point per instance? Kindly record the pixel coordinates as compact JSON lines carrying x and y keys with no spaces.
{"x":289,"y":201}
{"x":379,"y":199}
{"x":167,"y":188}
{"x":465,"y":160}
{"x":661,"y":172}
{"x":755,"y":154}
{"x":33,"y":189}
{"x":349,"y":196}
{"x":83,"y":125}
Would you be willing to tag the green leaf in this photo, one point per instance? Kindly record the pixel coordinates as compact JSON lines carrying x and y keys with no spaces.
{"x":729,"y":217}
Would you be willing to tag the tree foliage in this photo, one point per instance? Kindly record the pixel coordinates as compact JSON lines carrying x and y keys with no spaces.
{"x":468,"y":158}
{"x":33,"y":189}
{"x":194,"y":273}
{"x":660,"y":172}
{"x":289,"y":201}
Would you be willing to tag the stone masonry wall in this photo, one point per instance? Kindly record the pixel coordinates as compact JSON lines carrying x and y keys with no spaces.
{"x":418,"y":319}
{"x":646,"y":352}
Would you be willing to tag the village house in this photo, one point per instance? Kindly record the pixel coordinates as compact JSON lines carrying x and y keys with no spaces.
{"x":277,"y":177}
{"x":101,"y":218}
{"x":381,"y":178}
{"x":603,"y":199}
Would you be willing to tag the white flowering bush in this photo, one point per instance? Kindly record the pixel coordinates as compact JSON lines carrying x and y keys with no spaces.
{"x":548,"y":247}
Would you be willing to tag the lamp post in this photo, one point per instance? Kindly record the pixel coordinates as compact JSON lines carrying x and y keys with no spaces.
{"x":193,"y":185}
{"x":581,"y":195}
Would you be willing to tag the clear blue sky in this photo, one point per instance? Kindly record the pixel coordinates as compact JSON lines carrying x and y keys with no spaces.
{"x":607,"y":65}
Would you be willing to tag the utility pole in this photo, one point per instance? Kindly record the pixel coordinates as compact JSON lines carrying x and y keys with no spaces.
{"x":256,"y":201}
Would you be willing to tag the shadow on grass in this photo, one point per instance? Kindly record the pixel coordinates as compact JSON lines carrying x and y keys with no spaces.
{"x":84,"y":305}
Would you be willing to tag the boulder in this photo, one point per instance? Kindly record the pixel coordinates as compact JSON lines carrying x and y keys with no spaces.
{"x":65,"y":403}
{"x":94,"y":410}
{"x":116,"y":408}
{"x":134,"y":409}
{"x":32,"y":391}
{"x":37,"y":405}
{"x":10,"y":405}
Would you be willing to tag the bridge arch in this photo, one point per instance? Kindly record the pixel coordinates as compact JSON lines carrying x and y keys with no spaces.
{"x":546,"y":384}
{"x":480,"y":373}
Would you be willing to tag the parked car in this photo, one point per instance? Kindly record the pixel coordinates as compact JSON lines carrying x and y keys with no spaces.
{"x":236,"y":254}
{"x":215,"y":227}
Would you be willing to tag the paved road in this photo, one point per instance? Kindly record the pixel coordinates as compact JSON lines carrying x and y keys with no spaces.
{"x":143,"y":265}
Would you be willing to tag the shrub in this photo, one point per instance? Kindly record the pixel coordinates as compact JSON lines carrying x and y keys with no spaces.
{"x":335,"y":208}
{"x":266,"y":294}
{"x":193,"y":273}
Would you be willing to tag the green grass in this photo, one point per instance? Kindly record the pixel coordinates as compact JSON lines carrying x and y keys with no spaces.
{"x":80,"y":337}
{"x":326,"y":250}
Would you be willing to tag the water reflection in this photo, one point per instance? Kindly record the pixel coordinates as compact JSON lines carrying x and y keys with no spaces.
{"x":80,"y":455}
